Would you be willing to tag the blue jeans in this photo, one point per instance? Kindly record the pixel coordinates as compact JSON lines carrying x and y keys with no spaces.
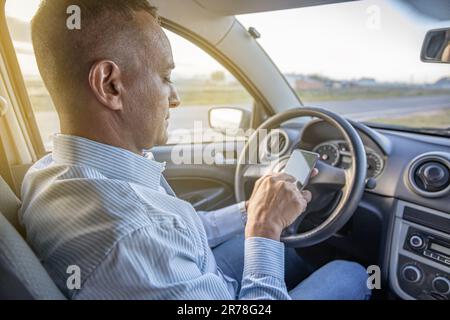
{"x":337,"y":280}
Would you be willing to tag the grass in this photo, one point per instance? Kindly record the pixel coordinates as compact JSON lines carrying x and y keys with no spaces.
{"x":213,"y":95}
{"x":342,"y":94}
{"x":433,"y":119}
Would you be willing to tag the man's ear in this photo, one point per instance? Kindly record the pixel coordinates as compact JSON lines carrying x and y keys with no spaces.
{"x":105,"y":80}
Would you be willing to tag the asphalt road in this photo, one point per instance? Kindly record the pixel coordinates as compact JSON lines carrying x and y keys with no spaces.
{"x":363,"y":110}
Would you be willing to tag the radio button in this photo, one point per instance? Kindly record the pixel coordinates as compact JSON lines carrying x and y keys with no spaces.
{"x":411,"y":273}
{"x":441,"y":284}
{"x":416,"y":241}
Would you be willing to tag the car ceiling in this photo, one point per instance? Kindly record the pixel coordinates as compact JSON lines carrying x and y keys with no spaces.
{"x":236,"y":7}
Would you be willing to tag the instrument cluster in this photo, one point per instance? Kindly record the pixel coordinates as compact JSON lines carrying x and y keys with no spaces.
{"x":337,"y":154}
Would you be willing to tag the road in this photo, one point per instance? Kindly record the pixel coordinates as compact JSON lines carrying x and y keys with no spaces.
{"x":363,"y":110}
{"x":360,"y":110}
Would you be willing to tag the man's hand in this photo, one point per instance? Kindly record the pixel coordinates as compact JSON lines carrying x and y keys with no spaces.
{"x":274,"y":205}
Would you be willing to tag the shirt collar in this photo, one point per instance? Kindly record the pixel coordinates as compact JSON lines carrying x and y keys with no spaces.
{"x":113,"y":162}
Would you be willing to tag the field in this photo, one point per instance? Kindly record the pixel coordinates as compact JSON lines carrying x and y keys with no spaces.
{"x":434,"y":119}
{"x":364,"y":93}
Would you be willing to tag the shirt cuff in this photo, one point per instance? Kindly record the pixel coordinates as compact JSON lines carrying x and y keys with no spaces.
{"x":264,"y":256}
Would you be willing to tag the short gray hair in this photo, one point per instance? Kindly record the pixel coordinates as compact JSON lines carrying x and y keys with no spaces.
{"x":65,"y":56}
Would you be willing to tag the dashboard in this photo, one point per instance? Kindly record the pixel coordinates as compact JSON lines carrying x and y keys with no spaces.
{"x":322,"y":138}
{"x":402,"y":223}
{"x":405,"y":166}
{"x":337,"y":154}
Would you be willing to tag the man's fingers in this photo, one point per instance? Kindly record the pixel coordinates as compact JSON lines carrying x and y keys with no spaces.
{"x":314,"y":172}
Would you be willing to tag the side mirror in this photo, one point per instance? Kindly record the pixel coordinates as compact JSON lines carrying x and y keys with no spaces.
{"x":229,"y":119}
{"x":436,"y":46}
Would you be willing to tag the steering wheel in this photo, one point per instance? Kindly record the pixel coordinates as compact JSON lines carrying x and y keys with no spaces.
{"x":348,"y":184}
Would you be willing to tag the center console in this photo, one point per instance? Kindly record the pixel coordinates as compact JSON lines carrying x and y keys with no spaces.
{"x":420,"y":253}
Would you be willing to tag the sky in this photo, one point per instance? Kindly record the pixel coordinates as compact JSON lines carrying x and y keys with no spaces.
{"x":370,"y":38}
{"x":348,"y":40}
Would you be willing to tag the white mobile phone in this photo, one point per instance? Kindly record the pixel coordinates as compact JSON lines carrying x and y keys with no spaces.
{"x":300,"y":165}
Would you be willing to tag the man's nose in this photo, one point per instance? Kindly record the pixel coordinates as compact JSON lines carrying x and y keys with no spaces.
{"x":174,"y":99}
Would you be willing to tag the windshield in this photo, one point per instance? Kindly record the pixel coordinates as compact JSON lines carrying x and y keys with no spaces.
{"x":360,"y":59}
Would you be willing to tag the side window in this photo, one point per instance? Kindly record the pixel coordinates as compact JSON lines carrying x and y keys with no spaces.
{"x":18,"y":17}
{"x":201,"y":81}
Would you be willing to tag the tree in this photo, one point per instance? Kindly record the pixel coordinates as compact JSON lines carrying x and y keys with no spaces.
{"x":218,"y":76}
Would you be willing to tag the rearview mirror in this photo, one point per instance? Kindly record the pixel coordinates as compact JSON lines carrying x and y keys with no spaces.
{"x":228,"y":119}
{"x":436,"y":46}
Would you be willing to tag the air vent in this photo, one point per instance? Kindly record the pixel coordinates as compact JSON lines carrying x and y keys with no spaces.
{"x":277,"y":143}
{"x":429,"y":175}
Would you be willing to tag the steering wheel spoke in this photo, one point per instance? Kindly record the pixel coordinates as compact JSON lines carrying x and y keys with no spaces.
{"x":330,"y":178}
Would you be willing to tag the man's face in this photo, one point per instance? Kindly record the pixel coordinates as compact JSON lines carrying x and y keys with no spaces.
{"x":150,"y":92}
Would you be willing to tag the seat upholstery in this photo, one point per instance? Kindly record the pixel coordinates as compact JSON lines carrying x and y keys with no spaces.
{"x":21,"y":269}
{"x":9,"y":204}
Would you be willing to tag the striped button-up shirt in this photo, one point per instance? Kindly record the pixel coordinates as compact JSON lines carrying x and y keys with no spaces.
{"x":98,"y":212}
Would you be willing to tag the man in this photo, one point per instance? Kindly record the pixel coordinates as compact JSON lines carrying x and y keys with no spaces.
{"x":99,"y":205}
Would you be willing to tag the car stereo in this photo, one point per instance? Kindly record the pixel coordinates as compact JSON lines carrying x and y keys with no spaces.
{"x":428,"y":246}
